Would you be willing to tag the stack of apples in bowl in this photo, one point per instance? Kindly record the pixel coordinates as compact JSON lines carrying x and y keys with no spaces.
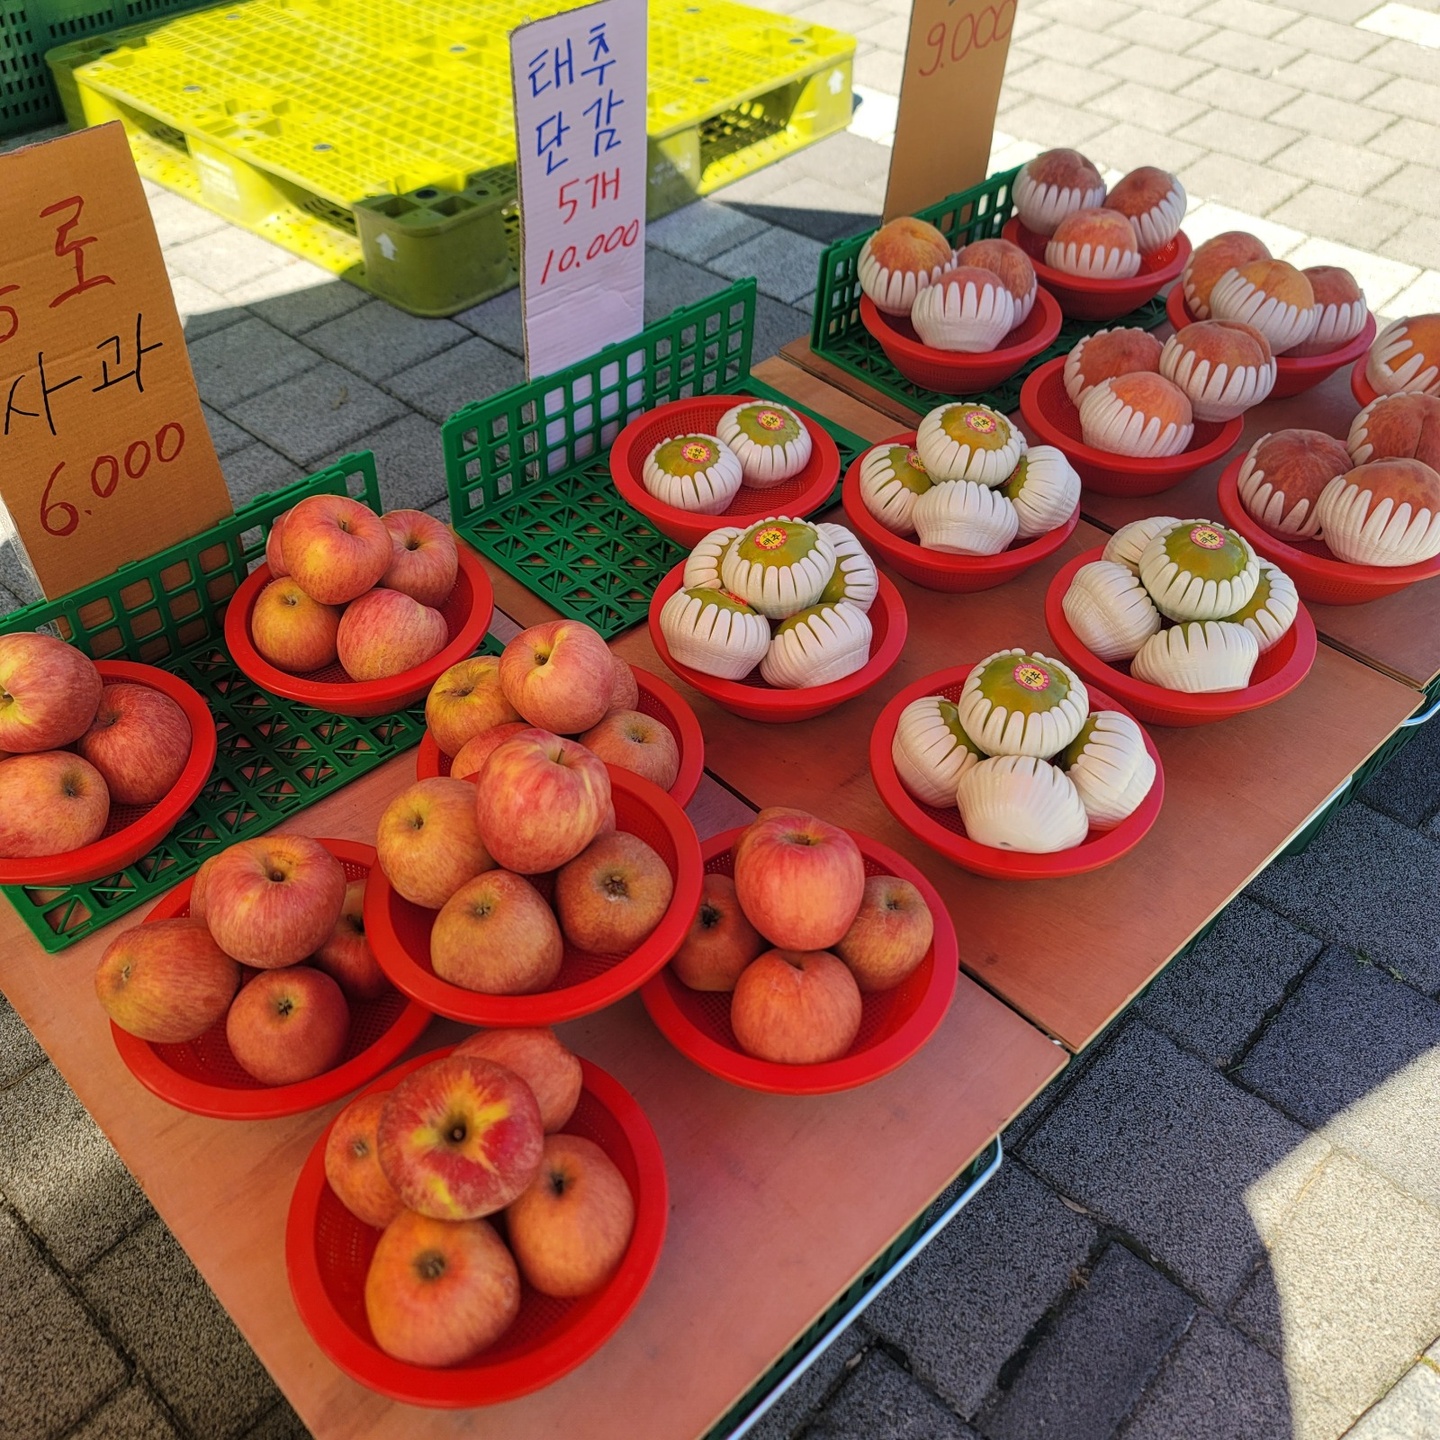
{"x":546,"y":883}
{"x":623,"y":714}
{"x":97,"y":761}
{"x":251,"y":990}
{"x":818,"y":960}
{"x":354,"y":612}
{"x":478,"y":1222}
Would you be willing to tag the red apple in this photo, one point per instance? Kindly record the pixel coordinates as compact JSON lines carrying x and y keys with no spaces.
{"x":720,"y":943}
{"x":423,"y":562}
{"x":636,"y":742}
{"x":139,"y":741}
{"x":335,"y":547}
{"x":799,"y":880}
{"x":352,"y":1164}
{"x":428,"y":841}
{"x":571,"y":1228}
{"x":471,"y":757}
{"x":540,"y":800}
{"x":291,"y":630}
{"x":288,"y":1025}
{"x":438,"y":1292}
{"x":49,"y":692}
{"x":274,"y":547}
{"x":559,"y":676}
{"x":346,"y":957}
{"x":496,"y":935}
{"x":612,"y":895}
{"x":167,"y":983}
{"x":385,"y":633}
{"x":272,"y":901}
{"x":460,"y":1138}
{"x":466,"y":701}
{"x":199,"y":885}
{"x":50,"y":803}
{"x":550,"y":1070}
{"x":796,"y":1007}
{"x":625,"y":692}
{"x":890,"y":935}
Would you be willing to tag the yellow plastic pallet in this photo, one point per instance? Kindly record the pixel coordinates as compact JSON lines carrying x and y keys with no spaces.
{"x":378,"y":140}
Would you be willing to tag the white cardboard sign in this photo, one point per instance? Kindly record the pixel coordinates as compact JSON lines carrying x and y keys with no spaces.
{"x":580,"y":139}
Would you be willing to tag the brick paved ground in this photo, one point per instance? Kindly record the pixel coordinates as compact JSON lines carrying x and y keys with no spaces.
{"x":1224,"y":1222}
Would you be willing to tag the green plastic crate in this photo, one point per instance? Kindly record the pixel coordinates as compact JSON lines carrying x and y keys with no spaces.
{"x":274,"y":757}
{"x":837,"y":335}
{"x":528,"y":470}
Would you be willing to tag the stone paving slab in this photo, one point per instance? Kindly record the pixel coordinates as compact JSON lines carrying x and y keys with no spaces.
{"x":134,"y":1414}
{"x":881,"y":1399}
{"x":19,"y":1050}
{"x":1411,"y":1411}
{"x":794,"y":1410}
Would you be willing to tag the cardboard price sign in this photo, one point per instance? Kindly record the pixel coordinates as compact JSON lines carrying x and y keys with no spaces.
{"x":104,"y":452}
{"x":949,"y":92}
{"x":580,"y":137}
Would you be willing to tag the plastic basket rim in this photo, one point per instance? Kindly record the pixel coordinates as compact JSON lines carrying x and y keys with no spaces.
{"x":1300,"y":640}
{"x":1090,"y":855}
{"x":551,"y":1007}
{"x":963,"y":365}
{"x":902,"y":552}
{"x":112,"y":853}
{"x":1144,"y":283}
{"x":849,"y":1071}
{"x":689,"y":738}
{"x":688,"y":527}
{"x":452,"y":1387}
{"x":808,"y":701}
{"x":1173,"y":467}
{"x":359,"y":698}
{"x":1360,"y":386}
{"x":219,"y":1102}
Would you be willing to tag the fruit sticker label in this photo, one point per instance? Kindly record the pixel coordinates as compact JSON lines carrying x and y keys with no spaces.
{"x":580,"y":98}
{"x":771,"y":537}
{"x":104,"y":452}
{"x":1030,"y":676}
{"x":697,"y":452}
{"x":1207,"y":537}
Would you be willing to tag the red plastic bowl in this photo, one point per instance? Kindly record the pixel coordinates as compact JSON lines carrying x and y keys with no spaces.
{"x":1360,"y":386}
{"x":800,"y":495}
{"x":399,"y":931}
{"x":204,"y":1077}
{"x":894,"y":1025}
{"x":1294,"y":374}
{"x":467,"y":616}
{"x":657,"y":698}
{"x":1083,"y":298}
{"x":943,"y":830}
{"x":935,"y":569}
{"x":753,"y":699}
{"x":1277,"y":672}
{"x":1318,"y":575}
{"x":1049,"y":411}
{"x":328,"y":1252}
{"x":954,"y":372}
{"x":131,"y":830}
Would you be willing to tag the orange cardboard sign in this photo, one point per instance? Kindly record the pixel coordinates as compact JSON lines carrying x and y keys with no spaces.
{"x":104,"y":452}
{"x":949,"y":92}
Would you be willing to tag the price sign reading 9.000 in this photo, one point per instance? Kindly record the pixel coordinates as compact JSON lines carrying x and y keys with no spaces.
{"x":580,"y":135}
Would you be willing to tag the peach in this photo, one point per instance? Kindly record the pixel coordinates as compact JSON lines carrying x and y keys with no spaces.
{"x":49,"y":692}
{"x":1405,"y":356}
{"x":899,"y":260}
{"x":1342,"y":308}
{"x":796,"y":1008}
{"x":472,"y":755}
{"x":1212,"y":259}
{"x":139,"y":742}
{"x":1384,"y":513}
{"x":1053,"y":185}
{"x":288,"y":1025}
{"x":612,"y":895}
{"x":497,"y":936}
{"x":552,"y":1072}
{"x":423,"y":561}
{"x":720,"y":943}
{"x":1397,"y":427}
{"x":1271,"y":295}
{"x":967,"y":309}
{"x":168,"y":982}
{"x":559,"y":676}
{"x":460,"y":1138}
{"x":1108,"y":353}
{"x":1282,"y":476}
{"x":335,"y":547}
{"x":1011,"y":264}
{"x":637,"y":742}
{"x":1096,"y":243}
{"x":51,"y":802}
{"x":352,"y":1163}
{"x":1137,"y":414}
{"x":346,"y":957}
{"x":1153,"y":201}
{"x":1224,"y":367}
{"x":386,"y":633}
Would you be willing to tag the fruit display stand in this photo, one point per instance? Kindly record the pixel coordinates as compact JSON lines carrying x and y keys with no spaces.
{"x":774,"y":1212}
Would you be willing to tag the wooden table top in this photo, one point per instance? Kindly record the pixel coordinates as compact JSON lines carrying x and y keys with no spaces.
{"x":1399,"y":634}
{"x":774,"y":1205}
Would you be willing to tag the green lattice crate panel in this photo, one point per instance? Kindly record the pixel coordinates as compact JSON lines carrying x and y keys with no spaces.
{"x":274,"y":757}
{"x":975,"y":214}
{"x":528,"y":471}
{"x":377,"y":140}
